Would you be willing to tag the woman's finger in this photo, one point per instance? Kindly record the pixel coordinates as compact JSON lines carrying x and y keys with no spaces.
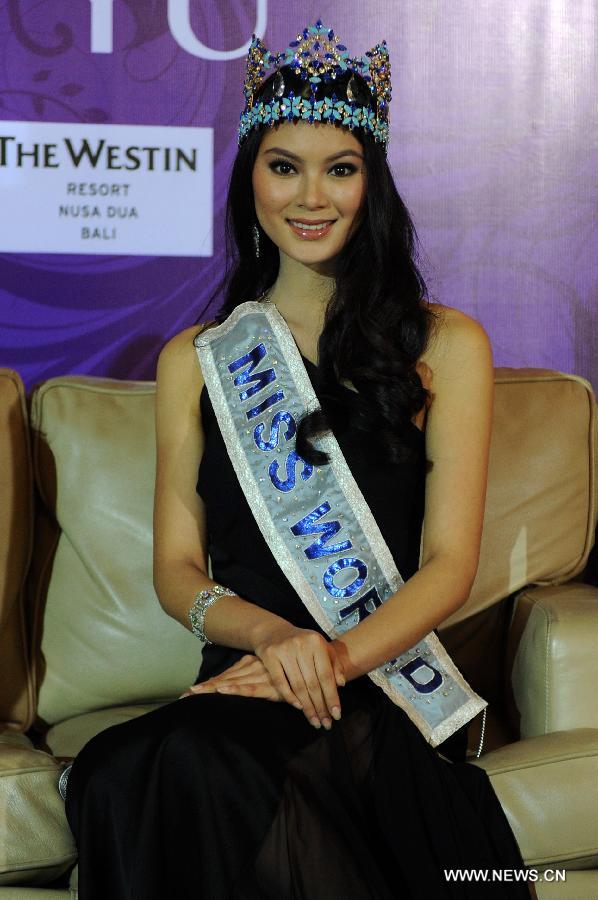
{"x":249,"y":678}
{"x":248,"y":667}
{"x":254,"y":674}
{"x":286,"y":687}
{"x":312,"y":681}
{"x":247,"y":664}
{"x":328,"y":683}
{"x":261,"y":690}
{"x":300,"y":690}
{"x":204,"y":688}
{"x":207,"y":686}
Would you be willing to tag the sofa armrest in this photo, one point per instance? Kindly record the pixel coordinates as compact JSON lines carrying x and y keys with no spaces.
{"x":36,"y":845}
{"x":547,"y":788}
{"x":553,"y":659}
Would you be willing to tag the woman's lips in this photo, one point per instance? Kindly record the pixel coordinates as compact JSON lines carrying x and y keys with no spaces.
{"x":310,"y":231}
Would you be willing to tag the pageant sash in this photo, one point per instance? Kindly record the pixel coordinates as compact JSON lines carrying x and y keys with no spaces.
{"x":315,"y":519}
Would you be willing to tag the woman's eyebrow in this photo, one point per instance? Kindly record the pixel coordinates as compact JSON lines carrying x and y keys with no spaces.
{"x":280,"y":152}
{"x":344,"y":153}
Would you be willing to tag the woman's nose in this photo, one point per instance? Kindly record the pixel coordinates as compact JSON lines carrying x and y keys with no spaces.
{"x":312,"y":194}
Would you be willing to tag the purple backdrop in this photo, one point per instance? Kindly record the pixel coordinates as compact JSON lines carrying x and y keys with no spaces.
{"x":494,"y":144}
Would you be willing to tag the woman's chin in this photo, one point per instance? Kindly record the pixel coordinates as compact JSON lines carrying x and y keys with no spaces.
{"x":317,"y":259}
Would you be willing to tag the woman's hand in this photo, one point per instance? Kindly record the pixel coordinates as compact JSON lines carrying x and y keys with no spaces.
{"x":305,"y":669}
{"x":311,"y":662}
{"x":247,"y":677}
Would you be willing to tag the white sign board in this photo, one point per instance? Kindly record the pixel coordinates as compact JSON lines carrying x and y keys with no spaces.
{"x":141,"y":190}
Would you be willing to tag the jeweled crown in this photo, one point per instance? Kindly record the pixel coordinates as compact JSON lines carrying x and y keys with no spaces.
{"x":317,"y":56}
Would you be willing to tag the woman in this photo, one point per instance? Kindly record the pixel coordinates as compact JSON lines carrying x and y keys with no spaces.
{"x":286,"y":771}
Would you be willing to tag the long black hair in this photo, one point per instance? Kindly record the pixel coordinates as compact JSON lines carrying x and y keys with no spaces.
{"x":376,"y":325}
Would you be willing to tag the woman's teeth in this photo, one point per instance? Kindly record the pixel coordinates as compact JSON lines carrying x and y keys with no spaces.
{"x":303,"y":225}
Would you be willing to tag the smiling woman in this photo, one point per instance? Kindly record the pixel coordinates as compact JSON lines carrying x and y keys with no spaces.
{"x":320,"y":753}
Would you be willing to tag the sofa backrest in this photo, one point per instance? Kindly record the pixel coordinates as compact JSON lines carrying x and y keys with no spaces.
{"x":100,"y":635}
{"x":16,"y":524}
{"x":542,"y":500}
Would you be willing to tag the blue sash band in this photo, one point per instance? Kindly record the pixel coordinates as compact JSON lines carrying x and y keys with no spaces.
{"x":315,"y":519}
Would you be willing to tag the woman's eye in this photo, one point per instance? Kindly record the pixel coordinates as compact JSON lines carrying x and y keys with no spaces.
{"x":343,"y":169}
{"x":282,"y":167}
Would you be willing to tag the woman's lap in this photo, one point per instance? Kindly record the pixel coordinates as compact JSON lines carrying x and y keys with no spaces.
{"x":199,"y":777}
{"x":231,"y":797}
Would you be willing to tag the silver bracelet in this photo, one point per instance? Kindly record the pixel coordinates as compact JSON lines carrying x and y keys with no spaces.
{"x":201,"y":603}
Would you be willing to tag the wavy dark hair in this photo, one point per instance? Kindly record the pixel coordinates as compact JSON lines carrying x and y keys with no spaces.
{"x":376,"y":326}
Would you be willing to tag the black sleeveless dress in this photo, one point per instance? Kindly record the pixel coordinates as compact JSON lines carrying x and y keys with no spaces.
{"x":231,"y":798}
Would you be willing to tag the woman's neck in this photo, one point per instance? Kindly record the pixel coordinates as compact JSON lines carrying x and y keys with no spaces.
{"x":301,"y":296}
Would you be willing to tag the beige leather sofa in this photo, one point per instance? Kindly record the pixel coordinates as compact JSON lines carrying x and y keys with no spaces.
{"x":84,"y":642}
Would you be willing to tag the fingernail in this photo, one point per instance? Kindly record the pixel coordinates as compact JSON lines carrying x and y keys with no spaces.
{"x":224,"y":687}
{"x":297,"y":705}
{"x":316,"y":722}
{"x":327,"y":724}
{"x":340,"y":681}
{"x":197,"y":687}
{"x":336,"y":712}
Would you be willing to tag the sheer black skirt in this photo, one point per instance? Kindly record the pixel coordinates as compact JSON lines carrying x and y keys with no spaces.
{"x":221,"y":797}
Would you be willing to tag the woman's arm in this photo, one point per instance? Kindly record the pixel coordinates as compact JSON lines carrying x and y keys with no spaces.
{"x":180,"y":554}
{"x":457,"y":443}
{"x":180,"y":549}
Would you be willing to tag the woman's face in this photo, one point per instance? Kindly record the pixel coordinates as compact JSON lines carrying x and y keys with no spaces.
{"x":309,"y":188}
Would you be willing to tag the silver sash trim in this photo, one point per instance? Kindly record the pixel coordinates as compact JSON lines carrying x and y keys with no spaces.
{"x":259,"y":390}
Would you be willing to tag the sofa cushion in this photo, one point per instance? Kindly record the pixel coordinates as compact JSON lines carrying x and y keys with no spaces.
{"x":36,"y":845}
{"x":105,"y":641}
{"x":27,"y":893}
{"x":69,"y":737}
{"x":547,"y":788}
{"x":16,"y":518}
{"x":541,"y":501}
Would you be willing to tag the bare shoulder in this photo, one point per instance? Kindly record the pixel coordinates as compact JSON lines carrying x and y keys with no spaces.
{"x":179,"y":357}
{"x":458,"y":343}
{"x":181,"y":345}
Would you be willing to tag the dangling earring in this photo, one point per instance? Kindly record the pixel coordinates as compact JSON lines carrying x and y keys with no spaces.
{"x":256,"y":241}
